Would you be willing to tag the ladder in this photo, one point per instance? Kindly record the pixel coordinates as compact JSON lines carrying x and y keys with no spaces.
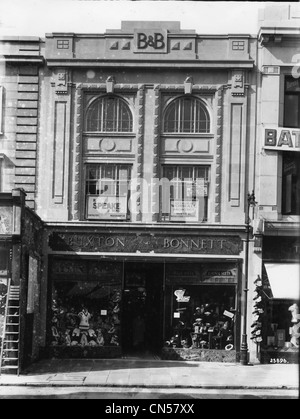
{"x":10,"y":359}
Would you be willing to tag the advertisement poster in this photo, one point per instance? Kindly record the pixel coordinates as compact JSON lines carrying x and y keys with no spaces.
{"x":184,"y":210}
{"x":107,"y":207}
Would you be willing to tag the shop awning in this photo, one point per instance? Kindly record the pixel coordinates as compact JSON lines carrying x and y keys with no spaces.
{"x":284,"y":280}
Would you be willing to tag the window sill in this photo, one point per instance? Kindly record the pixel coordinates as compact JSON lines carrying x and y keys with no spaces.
{"x":187,"y":134}
{"x":109,"y":134}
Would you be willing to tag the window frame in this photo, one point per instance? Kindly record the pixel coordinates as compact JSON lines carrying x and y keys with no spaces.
{"x":290,"y":94}
{"x":197,"y":105}
{"x":183,"y":185}
{"x":119,"y":105}
{"x":116,"y":183}
{"x":290,"y":206}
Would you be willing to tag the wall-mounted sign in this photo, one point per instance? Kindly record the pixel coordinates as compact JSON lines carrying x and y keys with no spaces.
{"x":150,"y":41}
{"x":283,"y":139}
{"x":141,"y":242}
{"x":220,"y":276}
{"x":107,"y":207}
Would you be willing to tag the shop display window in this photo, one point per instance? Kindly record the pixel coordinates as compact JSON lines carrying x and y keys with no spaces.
{"x":86,"y":312}
{"x":202,"y":316}
{"x":282,"y":328}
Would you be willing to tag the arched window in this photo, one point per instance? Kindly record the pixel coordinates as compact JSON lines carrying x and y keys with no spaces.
{"x":187,"y":115}
{"x":109,"y":114}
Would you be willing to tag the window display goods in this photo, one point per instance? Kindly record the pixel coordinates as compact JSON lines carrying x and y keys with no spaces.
{"x":203,"y":318}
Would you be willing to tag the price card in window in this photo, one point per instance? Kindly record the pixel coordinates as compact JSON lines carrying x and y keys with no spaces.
{"x":176,"y":315}
{"x":103,"y":312}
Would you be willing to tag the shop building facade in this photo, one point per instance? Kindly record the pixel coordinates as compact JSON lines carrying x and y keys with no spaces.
{"x":150,"y":130}
{"x":278,"y":181}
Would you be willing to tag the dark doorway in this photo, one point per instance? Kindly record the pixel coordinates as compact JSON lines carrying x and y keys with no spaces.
{"x":143,"y":309}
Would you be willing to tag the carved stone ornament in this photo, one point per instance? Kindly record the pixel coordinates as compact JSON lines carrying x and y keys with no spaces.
{"x":238,"y":85}
{"x":61,"y":83}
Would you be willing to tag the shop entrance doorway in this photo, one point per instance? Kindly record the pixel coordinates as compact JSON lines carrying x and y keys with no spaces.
{"x":142,"y":318}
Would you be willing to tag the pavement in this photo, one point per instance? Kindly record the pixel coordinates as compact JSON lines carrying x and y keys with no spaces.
{"x":154,"y":374}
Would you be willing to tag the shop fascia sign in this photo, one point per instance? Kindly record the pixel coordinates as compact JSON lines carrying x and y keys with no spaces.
{"x":140,"y":243}
{"x":282,"y":139}
{"x":150,"y":41}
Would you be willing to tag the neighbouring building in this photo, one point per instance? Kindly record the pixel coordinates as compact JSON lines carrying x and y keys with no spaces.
{"x":278,"y":180}
{"x":135,"y":151}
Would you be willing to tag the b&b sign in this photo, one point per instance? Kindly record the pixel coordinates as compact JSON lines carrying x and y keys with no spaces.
{"x":150,"y":41}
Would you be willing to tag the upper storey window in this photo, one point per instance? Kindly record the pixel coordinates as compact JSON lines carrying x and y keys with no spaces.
{"x":109,"y":114}
{"x":187,"y":115}
{"x":292,"y":102}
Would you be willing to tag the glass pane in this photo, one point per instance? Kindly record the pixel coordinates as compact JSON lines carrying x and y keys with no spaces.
{"x":187,"y":115}
{"x":109,"y":114}
{"x":187,"y":119}
{"x":292,"y":111}
{"x":112,"y":186}
{"x":124,"y":178}
{"x":125,"y":120}
{"x":292,"y":84}
{"x":186,"y":173}
{"x":171,"y":120}
{"x":291,"y":184}
{"x":169,"y":173}
{"x":188,"y":193}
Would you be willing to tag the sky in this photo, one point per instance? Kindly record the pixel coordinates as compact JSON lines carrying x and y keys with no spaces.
{"x":38,"y":17}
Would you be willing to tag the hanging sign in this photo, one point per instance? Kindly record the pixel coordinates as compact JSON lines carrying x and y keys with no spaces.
{"x":282,"y":139}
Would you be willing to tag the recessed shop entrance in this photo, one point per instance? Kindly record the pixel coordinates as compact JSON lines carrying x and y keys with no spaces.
{"x":143,"y":299}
